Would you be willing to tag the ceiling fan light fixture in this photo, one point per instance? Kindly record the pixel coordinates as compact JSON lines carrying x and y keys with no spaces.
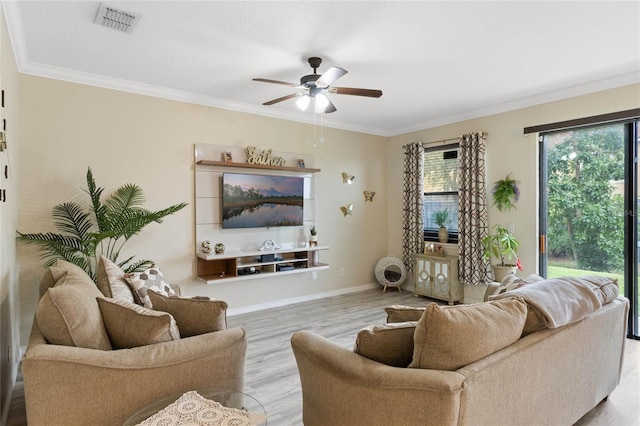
{"x":322,"y":102}
{"x":303,"y":102}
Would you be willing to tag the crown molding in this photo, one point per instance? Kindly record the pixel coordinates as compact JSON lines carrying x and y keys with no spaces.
{"x":553,"y":96}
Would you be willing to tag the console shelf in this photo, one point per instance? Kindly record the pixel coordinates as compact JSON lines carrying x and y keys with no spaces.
{"x":250,"y":264}
{"x":256,"y":166}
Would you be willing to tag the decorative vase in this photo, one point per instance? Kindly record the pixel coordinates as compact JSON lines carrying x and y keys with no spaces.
{"x":313,"y":240}
{"x":443,"y":234}
{"x":219,"y":248}
{"x":499,"y":272}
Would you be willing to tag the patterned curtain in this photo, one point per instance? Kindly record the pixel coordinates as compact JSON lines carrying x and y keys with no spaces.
{"x":473,"y":268}
{"x":412,"y":204}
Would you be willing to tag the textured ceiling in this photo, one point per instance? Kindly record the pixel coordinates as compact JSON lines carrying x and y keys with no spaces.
{"x":435,"y":62}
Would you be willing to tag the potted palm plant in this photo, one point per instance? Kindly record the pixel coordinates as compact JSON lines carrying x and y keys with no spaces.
{"x":502,"y":245}
{"x":102,"y":230}
{"x":441,"y":218}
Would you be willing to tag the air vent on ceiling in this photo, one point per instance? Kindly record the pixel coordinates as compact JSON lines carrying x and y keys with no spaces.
{"x":117,"y":19}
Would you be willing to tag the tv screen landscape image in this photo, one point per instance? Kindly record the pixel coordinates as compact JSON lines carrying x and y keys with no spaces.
{"x":261,"y":201}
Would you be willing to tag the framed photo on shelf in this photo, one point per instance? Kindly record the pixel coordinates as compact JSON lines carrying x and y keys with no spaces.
{"x":226,"y":157}
{"x":301,"y":163}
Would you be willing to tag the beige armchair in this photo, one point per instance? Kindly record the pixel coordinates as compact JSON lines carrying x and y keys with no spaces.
{"x":82,"y":382}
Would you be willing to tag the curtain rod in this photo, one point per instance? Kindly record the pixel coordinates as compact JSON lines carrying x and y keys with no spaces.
{"x":443,"y":141}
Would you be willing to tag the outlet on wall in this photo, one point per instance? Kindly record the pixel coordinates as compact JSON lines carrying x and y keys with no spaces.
{"x":342,"y":271}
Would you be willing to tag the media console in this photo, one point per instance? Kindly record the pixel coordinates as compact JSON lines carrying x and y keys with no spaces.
{"x":248,"y":264}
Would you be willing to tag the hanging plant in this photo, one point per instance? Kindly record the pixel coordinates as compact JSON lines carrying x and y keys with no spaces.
{"x":505,"y":193}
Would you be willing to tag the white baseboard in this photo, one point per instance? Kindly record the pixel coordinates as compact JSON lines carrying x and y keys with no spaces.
{"x":292,"y":300}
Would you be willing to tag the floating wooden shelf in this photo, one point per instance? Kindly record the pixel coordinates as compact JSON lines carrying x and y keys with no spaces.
{"x":247,"y":264}
{"x":256,"y":166}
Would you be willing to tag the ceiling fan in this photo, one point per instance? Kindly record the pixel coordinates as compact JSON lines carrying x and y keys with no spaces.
{"x":314,"y":87}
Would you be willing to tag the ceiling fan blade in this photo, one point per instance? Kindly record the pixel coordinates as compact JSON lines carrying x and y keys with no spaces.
{"x":266,"y":80}
{"x":284,"y":98}
{"x":329,"y":76}
{"x":371,"y":93}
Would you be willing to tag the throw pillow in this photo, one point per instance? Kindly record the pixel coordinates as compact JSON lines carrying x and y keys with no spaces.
{"x":53,"y":273}
{"x":130,"y":325}
{"x":399,"y":313}
{"x":111,"y":281}
{"x":193,"y":409}
{"x":149,"y":279}
{"x":511,"y":282}
{"x":390,"y":344}
{"x":193,"y":316}
{"x":450,"y":337}
{"x":68,"y":314}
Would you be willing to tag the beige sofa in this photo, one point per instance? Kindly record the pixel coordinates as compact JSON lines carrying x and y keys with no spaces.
{"x":546,"y":376}
{"x":78,"y":379}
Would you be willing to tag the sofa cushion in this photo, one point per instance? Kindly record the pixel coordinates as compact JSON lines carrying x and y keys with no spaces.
{"x":561,"y":301}
{"x":450,"y":337}
{"x":149,"y":279}
{"x":390,"y":344}
{"x":400,"y":313}
{"x":193,"y":316}
{"x":68,"y":313}
{"x":53,"y":273}
{"x":130,"y":325}
{"x":111,"y":281}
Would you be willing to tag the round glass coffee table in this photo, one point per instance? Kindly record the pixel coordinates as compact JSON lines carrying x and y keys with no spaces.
{"x":229,"y":399}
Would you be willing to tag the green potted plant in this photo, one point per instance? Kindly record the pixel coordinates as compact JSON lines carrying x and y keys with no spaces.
{"x":502,"y":245}
{"x":441,"y":218}
{"x":313,"y":238}
{"x":103,"y":230}
{"x":505,"y":193}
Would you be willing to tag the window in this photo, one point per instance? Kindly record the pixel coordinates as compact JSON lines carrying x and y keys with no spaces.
{"x":441,"y":190}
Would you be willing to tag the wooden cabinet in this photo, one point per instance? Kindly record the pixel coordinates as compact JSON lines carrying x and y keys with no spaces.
{"x":437,"y":277}
{"x":249,"y":264}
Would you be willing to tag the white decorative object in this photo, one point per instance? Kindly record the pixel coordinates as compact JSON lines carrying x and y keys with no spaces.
{"x":269,"y":245}
{"x":390,"y":272}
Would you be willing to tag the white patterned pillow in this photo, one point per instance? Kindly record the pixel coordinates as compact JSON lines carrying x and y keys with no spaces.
{"x":149,"y":279}
{"x":193,"y":409}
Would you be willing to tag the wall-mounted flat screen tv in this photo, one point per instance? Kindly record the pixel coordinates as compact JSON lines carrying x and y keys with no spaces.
{"x":261,"y":201}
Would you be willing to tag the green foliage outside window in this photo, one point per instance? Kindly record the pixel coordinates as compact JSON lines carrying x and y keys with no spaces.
{"x":585,"y":213}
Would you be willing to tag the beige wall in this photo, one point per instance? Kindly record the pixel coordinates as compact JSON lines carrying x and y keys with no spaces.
{"x":508,"y":151}
{"x":124,"y":137}
{"x":9,"y":296}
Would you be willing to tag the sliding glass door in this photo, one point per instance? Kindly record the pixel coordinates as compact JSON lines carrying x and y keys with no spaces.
{"x":589,"y":205}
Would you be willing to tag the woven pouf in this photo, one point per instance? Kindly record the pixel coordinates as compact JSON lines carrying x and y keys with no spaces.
{"x":390,"y":272}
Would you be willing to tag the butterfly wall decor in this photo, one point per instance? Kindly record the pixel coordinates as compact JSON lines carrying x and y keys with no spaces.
{"x":368,"y":195}
{"x":346,"y":178}
{"x":348,"y":209}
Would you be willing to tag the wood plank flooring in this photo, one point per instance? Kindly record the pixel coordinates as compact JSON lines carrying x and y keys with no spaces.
{"x":272,"y":375}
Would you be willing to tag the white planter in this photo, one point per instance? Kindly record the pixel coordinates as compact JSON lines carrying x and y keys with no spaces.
{"x":499,"y":272}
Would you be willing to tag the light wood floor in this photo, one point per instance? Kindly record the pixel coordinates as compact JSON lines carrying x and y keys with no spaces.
{"x":272,"y":375}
